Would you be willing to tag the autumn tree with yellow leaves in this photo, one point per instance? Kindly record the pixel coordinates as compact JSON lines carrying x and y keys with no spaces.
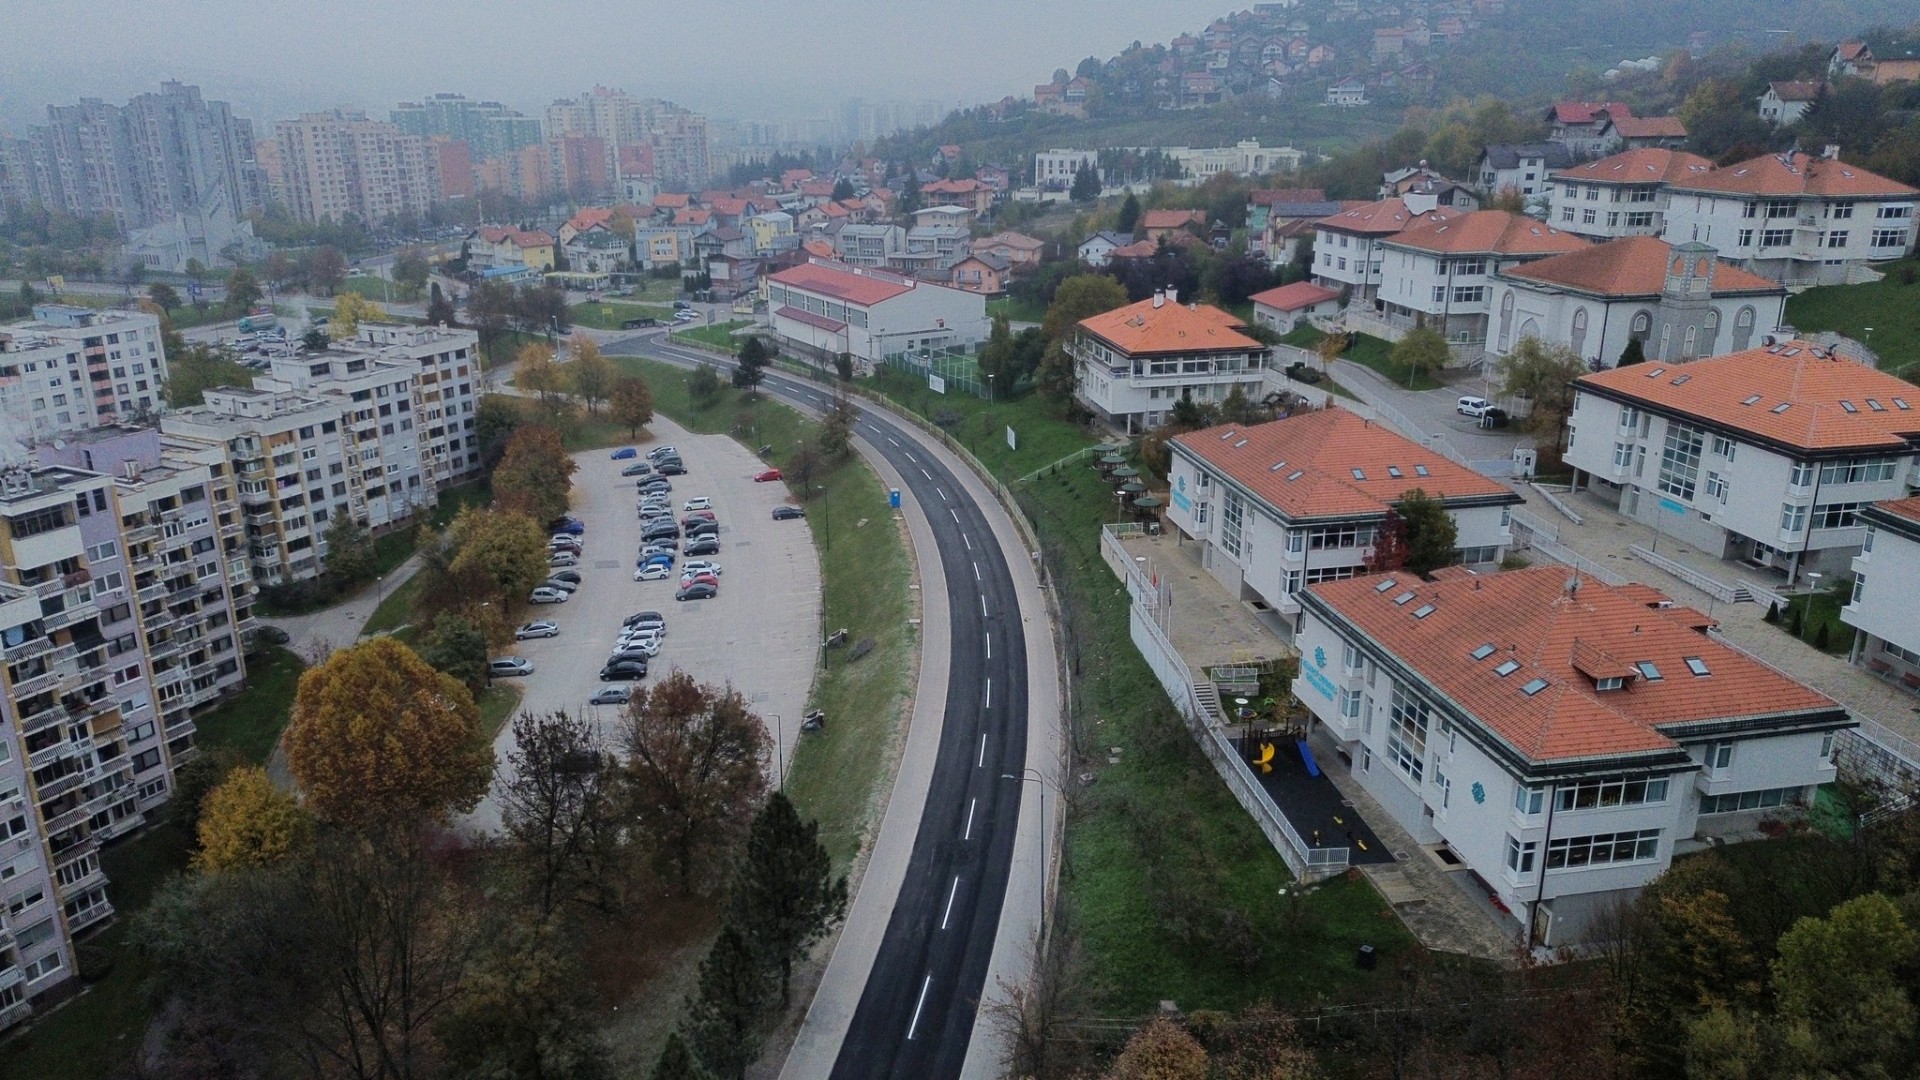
{"x":378,"y":736}
{"x":534,"y":474}
{"x":350,"y":309}
{"x":247,"y":822}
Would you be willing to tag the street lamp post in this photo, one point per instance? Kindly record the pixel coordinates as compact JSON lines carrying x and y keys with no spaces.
{"x":1034,"y":776}
{"x":779,"y":755}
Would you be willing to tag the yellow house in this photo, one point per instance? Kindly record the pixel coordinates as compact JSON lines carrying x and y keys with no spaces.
{"x":496,"y":246}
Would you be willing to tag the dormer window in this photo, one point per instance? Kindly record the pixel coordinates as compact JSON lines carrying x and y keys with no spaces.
{"x":1611,"y":682}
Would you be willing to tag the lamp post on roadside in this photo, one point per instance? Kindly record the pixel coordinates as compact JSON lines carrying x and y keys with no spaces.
{"x":1034,"y":776}
{"x":779,"y":755}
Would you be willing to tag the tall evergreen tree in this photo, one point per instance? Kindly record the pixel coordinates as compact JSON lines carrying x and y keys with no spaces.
{"x":1431,"y":532}
{"x":751,"y":363}
{"x":440,"y":309}
{"x":1086,"y":185}
{"x":785,"y":896}
{"x":1129,"y":218}
{"x":723,"y":1016}
{"x":1634,"y":353}
{"x":676,"y":1062}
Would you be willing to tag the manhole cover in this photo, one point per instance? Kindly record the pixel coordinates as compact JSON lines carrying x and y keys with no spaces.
{"x":1401,"y":856}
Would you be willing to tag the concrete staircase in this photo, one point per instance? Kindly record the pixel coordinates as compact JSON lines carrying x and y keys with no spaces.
{"x":1208,"y":699}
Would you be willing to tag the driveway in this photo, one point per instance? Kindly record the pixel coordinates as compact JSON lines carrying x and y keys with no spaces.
{"x":761,"y":634}
{"x":1433,"y":412}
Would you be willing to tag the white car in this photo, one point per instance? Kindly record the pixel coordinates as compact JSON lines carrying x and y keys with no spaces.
{"x":699,"y":566}
{"x":701,"y":503}
{"x":653,"y":572}
{"x":542,"y":628}
{"x":659,"y":452}
{"x":546,"y":595}
{"x":632,"y":636}
{"x":1472,"y":406}
{"x":558,"y":559}
{"x":650,"y":646}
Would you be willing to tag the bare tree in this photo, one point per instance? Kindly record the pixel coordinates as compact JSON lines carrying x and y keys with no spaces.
{"x":693,"y":773}
{"x":1032,"y":1015}
{"x":558,"y":805}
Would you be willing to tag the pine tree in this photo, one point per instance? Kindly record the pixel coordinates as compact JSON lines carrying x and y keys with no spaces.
{"x":1129,"y":218}
{"x":676,"y":1062}
{"x":1773,"y":612}
{"x":1431,"y":532}
{"x":785,"y":894}
{"x":1793,"y":619}
{"x":1086,"y":185}
{"x":1821,"y":637}
{"x":440,"y":310}
{"x":751,"y":364}
{"x":724,"y":1013}
{"x":1634,"y":353}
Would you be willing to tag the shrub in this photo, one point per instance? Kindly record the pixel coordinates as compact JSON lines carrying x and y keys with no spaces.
{"x":1773,"y":612}
{"x":1821,"y":638}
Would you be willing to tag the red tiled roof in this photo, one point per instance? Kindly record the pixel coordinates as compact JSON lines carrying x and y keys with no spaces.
{"x":1901,"y":508}
{"x":1797,"y":91}
{"x":799,"y":315}
{"x":1788,"y":394}
{"x":1300,"y":294}
{"x":1640,"y":167}
{"x":951,"y":187}
{"x":1584,"y":112}
{"x":494,"y":234}
{"x":1014,"y":240}
{"x":1851,"y":50}
{"x":842,"y":283}
{"x":1139,"y":249}
{"x":589,"y":217}
{"x":819,"y":248}
{"x":1798,"y":174}
{"x":692,"y":215}
{"x":675,"y":200}
{"x":1317,"y":454}
{"x":1383,"y":218}
{"x":1633,"y":266}
{"x":1496,"y":231}
{"x":1140,"y":329}
{"x":1171,"y":219}
{"x":1650,"y":127}
{"x":1529,"y":617}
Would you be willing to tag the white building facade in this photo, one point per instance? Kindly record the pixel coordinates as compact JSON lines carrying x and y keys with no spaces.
{"x":1626,"y":194}
{"x":1886,"y":592}
{"x":1133,"y":363}
{"x":1440,"y":271}
{"x":72,"y":368}
{"x":828,"y":308}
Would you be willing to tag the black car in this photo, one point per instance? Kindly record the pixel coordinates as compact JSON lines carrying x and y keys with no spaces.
{"x":643,"y":618}
{"x":629,"y":656}
{"x":1495,"y":417}
{"x":638,"y":468}
{"x":699,"y":590}
{"x":662,"y":529}
{"x":787,"y":513}
{"x":705,"y":545}
{"x":571,"y":577}
{"x":623,"y":671}
{"x":700,"y":529}
{"x":672,"y":468}
{"x":652,"y":484}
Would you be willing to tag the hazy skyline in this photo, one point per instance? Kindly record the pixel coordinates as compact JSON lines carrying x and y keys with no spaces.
{"x":749,"y":59}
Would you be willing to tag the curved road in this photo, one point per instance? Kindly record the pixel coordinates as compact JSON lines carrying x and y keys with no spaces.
{"x":917,"y":1011}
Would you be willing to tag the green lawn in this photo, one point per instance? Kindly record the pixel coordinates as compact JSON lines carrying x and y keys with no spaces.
{"x":1891,"y":307}
{"x":396,"y":547}
{"x":98,"y":1034}
{"x":719,"y":335}
{"x":865,"y":571}
{"x":1157,"y":842}
{"x":608,"y":315}
{"x":1816,"y":611}
{"x":1367,"y":351}
{"x":497,"y":703}
{"x":1017,"y":310}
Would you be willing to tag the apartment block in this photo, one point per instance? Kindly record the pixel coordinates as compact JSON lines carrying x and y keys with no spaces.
{"x":119,"y":620}
{"x":72,"y":368}
{"x":340,"y":164}
{"x":1886,"y":592}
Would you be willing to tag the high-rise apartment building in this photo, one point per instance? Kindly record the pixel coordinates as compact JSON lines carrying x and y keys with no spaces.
{"x":489,"y":128}
{"x":72,"y":368}
{"x":372,"y":429}
{"x":339,"y":164}
{"x":121,"y":607}
{"x":678,"y":136}
{"x":170,"y":160}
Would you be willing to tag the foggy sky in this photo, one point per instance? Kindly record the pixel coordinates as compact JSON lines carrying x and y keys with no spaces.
{"x":743,"y":58}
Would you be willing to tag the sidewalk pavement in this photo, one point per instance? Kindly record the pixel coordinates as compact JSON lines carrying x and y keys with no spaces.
{"x":1605,"y":537}
{"x":314,"y":636}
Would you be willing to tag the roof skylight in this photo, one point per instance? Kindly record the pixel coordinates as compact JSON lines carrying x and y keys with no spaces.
{"x":1750,"y":399}
{"x":1534,"y":687}
{"x":1783,"y":406}
{"x":1420,"y":470}
{"x":1697,"y":666}
{"x":1359,"y":474}
{"x":1384,"y":586}
{"x":1483,"y":651}
{"x":1649,"y":670}
{"x":1403,"y":598}
{"x":1423,"y":611}
{"x":1848,"y":406}
{"x":1656,"y":373}
{"x":1506,"y":668}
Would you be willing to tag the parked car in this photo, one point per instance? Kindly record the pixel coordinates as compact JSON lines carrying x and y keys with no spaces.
{"x":638,"y":468}
{"x":701,"y":566}
{"x":632,"y":655}
{"x":508,"y":666}
{"x":697,"y":517}
{"x":661,"y":530}
{"x":623,"y":671}
{"x":653,"y":484}
{"x":542,"y":628}
{"x":701,"y":528}
{"x":700,"y":503}
{"x":564,"y":542}
{"x":659,"y":547}
{"x":571,"y":577}
{"x":568,"y":587}
{"x":653,"y":571}
{"x":612,"y":695}
{"x":788,"y":513}
{"x":1495,"y":417}
{"x":766,"y":475}
{"x":699,"y":579}
{"x":706,"y":545}
{"x":1475,"y":407}
{"x":672,"y":468}
{"x":645,"y":618}
{"x":699,"y":590}
{"x":684,"y":316}
{"x":1301,"y":372}
{"x":682,"y":305}
{"x":568,"y":527}
{"x":546,"y":594}
{"x":639,"y":638}
{"x":624,"y":453}
{"x":658,"y":452}
{"x":562,"y":558}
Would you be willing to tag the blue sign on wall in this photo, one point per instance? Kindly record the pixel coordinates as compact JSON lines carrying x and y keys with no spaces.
{"x":1672,"y":507}
{"x":1318,"y":682}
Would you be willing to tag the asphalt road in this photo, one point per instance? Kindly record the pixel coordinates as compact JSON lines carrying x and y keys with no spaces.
{"x":916,"y":1014}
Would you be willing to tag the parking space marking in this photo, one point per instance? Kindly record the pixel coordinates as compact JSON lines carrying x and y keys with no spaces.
{"x":971,"y":803}
{"x":951,"y":893}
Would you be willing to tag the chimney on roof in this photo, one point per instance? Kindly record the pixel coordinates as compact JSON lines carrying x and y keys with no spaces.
{"x":1832,"y":152}
{"x":1173,"y":295}
{"x":1159,"y":298}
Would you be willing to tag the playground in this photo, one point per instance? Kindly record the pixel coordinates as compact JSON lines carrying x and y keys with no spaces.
{"x":1290,"y":774}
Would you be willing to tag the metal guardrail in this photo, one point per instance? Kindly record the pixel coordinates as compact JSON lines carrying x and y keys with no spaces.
{"x":1566,"y":556}
{"x":1308,"y":863}
{"x":1762,"y":594}
{"x":1706,"y":583}
{"x":1533,"y":526}
{"x":1559,"y":504}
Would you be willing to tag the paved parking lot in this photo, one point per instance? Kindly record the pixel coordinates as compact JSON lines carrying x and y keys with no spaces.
{"x":762,"y":633}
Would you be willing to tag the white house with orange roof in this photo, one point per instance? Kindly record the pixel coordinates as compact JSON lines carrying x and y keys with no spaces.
{"x":1283,"y":308}
{"x":1438,"y":272}
{"x":1796,"y":218}
{"x":1886,"y":592}
{"x":1132,"y":363}
{"x":1346,"y":246}
{"x":1280,"y":506}
{"x":1680,"y":302}
{"x":1622,"y":195}
{"x":1562,"y":738}
{"x":1766,"y":457}
{"x":828,"y":308}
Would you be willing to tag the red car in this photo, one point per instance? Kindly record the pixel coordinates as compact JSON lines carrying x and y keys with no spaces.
{"x":699,"y":579}
{"x":763,"y":477}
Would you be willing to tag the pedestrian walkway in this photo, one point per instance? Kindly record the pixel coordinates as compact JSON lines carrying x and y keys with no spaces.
{"x":1606,"y":537}
{"x":313,"y":636}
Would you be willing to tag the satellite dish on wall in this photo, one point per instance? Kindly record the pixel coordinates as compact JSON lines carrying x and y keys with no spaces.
{"x":59,"y":444}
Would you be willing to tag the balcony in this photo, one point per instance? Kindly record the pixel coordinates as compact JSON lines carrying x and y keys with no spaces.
{"x":48,"y":547}
{"x":35,"y":722}
{"x":68,"y":892}
{"x":68,"y":819}
{"x":55,"y":751}
{"x":28,"y":687}
{"x":141,"y":534}
{"x":53,"y":789}
{"x":91,"y":916}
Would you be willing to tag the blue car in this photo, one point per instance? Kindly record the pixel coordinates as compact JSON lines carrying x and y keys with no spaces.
{"x":664,"y":558}
{"x":571,"y":528}
{"x":624,"y":453}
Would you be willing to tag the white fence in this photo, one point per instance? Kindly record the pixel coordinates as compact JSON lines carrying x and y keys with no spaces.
{"x":1706,"y":583}
{"x":1308,"y":863}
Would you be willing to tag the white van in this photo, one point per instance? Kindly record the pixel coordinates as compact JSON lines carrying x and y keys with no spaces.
{"x":1475,"y":407}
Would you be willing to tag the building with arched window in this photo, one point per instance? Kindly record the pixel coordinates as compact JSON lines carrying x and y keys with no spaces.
{"x":1676,"y":301}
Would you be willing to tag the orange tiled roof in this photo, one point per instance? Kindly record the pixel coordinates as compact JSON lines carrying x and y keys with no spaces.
{"x":1797,"y":91}
{"x":1790,"y":394}
{"x":1586,"y":112}
{"x":1901,"y":508}
{"x":1383,"y":218}
{"x":1496,"y":231}
{"x":589,"y":217}
{"x":1529,"y":618}
{"x":841,"y":283}
{"x":1633,"y":266}
{"x":1140,"y":329}
{"x":1139,"y":249}
{"x":1851,"y":50}
{"x":674,"y":200}
{"x":1171,"y":219}
{"x":818,"y":248}
{"x":1640,"y":167}
{"x":1300,"y":294}
{"x":1318,"y":452}
{"x":1014,"y":240}
{"x":692,"y":215}
{"x":1650,"y":127}
{"x":1798,"y":174}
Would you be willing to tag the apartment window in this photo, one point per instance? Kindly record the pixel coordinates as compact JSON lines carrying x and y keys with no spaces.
{"x":1793,"y":519}
{"x":1233,"y":512}
{"x":1470,"y":294}
{"x":1680,"y":460}
{"x":1570,"y":852}
{"x":1723,"y":447}
{"x":1529,"y":800}
{"x":1445,"y":785}
{"x":1291,"y":584}
{"x":1407,"y":732}
{"x":1890,"y":213}
{"x":1716,"y":486}
{"x":1859,"y":588}
{"x":1836,"y":238}
{"x":1588,"y":216}
{"x":1622,"y":455}
{"x":1746,"y":238}
{"x":1719,"y":757}
{"x":1840,"y":210}
{"x":1520,"y":856}
{"x":1642,"y":219}
{"x":1866,"y":544}
{"x":1566,"y":213}
{"x":1350,"y":704}
{"x":1858,"y":471}
{"x":1772,"y":238}
{"x":1837,"y":515}
{"x":1611,"y":792}
{"x":1802,"y":474}
{"x":1735,"y":801}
